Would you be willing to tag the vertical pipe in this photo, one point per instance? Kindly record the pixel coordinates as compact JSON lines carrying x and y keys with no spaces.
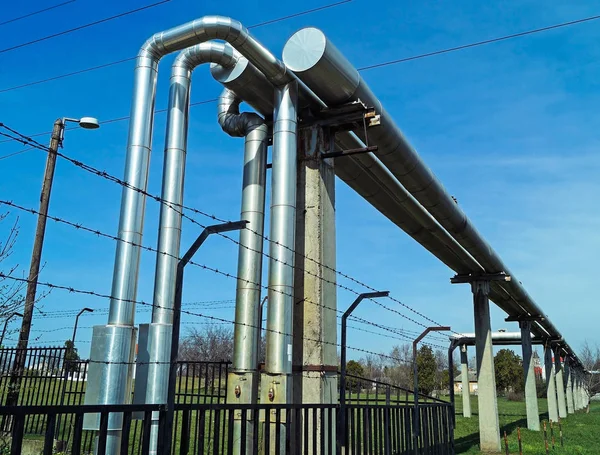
{"x":550,"y":385}
{"x":282,"y":233}
{"x":464,"y":372}
{"x":560,"y":384}
{"x":531,"y":403}
{"x":277,"y":382}
{"x":489,"y":425}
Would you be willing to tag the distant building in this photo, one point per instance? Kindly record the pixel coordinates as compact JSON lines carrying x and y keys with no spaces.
{"x":472,"y":383}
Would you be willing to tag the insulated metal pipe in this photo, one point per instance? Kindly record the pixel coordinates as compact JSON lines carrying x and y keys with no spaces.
{"x":249,"y":272}
{"x":140,"y":137}
{"x":498,"y":339}
{"x":131,"y":220}
{"x":169,"y":231}
{"x":319,"y":64}
{"x":364,"y":173}
{"x":282,"y":232}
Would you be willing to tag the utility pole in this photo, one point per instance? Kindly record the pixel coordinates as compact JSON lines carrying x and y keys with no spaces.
{"x":38,"y":243}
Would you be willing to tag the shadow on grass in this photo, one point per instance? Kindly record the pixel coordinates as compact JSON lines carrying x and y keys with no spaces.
{"x":464,"y":444}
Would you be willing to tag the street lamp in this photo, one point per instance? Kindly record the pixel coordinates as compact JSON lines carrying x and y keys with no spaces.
{"x":6,"y":325}
{"x":89,"y":310}
{"x":56,"y":140}
{"x":36,"y":255}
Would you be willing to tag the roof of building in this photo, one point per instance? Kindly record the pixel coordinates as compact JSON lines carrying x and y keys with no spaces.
{"x":472,"y":377}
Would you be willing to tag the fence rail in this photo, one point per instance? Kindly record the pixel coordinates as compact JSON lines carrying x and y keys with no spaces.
{"x":244,"y":429}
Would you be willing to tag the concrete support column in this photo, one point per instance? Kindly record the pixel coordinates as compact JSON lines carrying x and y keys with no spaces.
{"x":489,"y":425}
{"x":531,"y":402}
{"x":576,"y":394}
{"x":560,"y":384}
{"x":464,"y":372}
{"x":569,"y":392}
{"x":315,"y":323}
{"x":550,"y":385}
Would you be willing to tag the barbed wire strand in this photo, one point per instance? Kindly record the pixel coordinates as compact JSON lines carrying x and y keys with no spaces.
{"x":173,"y":206}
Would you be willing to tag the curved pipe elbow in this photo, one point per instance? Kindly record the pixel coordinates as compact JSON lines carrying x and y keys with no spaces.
{"x":221,"y":28}
{"x":230,"y":119}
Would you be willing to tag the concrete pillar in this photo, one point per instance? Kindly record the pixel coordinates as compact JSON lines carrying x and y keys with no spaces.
{"x":489,"y":425}
{"x":576,"y":394}
{"x":550,"y":385}
{"x":560,"y":384}
{"x":315,"y":323}
{"x":531,"y":402}
{"x":569,"y":392}
{"x":464,"y":372}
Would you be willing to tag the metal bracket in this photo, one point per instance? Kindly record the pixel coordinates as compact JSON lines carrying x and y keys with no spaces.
{"x":372,"y":148}
{"x":316,"y":368}
{"x":343,"y":118}
{"x":348,"y":117}
{"x":533,"y":318}
{"x":473,"y":277}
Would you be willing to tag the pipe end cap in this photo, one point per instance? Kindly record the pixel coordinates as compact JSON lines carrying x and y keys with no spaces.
{"x":304,"y":49}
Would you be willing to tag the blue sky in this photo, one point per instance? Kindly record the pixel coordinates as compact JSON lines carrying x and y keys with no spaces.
{"x":510,"y":128}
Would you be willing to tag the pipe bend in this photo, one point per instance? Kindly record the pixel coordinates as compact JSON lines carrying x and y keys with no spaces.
{"x":222,"y":28}
{"x":231,"y":120}
{"x":222,"y":54}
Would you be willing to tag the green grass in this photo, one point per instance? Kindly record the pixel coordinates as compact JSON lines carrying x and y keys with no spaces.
{"x":581,"y":431}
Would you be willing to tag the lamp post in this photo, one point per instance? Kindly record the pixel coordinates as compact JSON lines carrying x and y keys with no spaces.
{"x":341,"y":433}
{"x":38,"y":243}
{"x":88,"y":310}
{"x":416,"y":422}
{"x":6,"y":325}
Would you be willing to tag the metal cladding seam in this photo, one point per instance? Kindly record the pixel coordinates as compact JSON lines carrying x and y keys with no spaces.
{"x":319,"y":64}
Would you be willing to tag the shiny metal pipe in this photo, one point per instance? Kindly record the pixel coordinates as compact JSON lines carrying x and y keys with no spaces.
{"x":282,"y":232}
{"x":364,"y":173}
{"x":140,"y":136}
{"x":249,"y":272}
{"x":131,"y":221}
{"x":169,"y":231}
{"x":319,"y":64}
{"x":498,"y":339}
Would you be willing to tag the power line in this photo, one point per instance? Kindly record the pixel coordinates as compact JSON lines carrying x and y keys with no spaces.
{"x":193,"y":263}
{"x":81,"y":27}
{"x":117,"y":62}
{"x":17,"y":153}
{"x":212,"y":318}
{"x":25,"y":16}
{"x":481,"y":43}
{"x":114,"y":179}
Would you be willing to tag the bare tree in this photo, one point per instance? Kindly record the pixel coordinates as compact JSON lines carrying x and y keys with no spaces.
{"x":11,"y":291}
{"x":590,"y":358}
{"x":212,"y":343}
{"x":11,"y":298}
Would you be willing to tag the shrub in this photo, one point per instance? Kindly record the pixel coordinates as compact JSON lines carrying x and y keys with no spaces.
{"x":514,"y":396}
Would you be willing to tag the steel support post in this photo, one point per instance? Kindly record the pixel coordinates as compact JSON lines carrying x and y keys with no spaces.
{"x":451,"y":380}
{"x":489,"y":424}
{"x":531,"y":401}
{"x":341,"y":433}
{"x":550,"y":384}
{"x":560,"y":384}
{"x":165,"y":432}
{"x":569,"y":391}
{"x":464,"y":372}
{"x":416,"y":414}
{"x":314,"y":342}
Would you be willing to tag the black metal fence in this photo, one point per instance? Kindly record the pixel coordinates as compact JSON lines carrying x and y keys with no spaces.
{"x":265,"y":429}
